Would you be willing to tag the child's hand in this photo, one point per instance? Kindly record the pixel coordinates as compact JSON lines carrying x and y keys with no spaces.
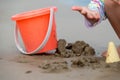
{"x":90,"y":15}
{"x":117,"y":1}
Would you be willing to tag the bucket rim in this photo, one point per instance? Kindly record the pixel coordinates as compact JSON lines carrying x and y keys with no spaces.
{"x":33,"y":13}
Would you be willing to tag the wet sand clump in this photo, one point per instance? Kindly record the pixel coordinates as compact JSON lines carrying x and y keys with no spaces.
{"x":74,"y":49}
{"x":54,"y":66}
{"x":28,"y":72}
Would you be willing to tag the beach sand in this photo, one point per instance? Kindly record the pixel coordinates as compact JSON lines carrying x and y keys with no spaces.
{"x":16,"y":66}
{"x":29,"y":69}
{"x":63,"y":64}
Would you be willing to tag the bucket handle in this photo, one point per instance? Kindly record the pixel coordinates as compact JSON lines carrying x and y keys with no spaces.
{"x":44,"y":41}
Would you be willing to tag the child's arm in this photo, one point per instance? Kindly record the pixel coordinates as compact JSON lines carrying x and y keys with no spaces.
{"x":117,"y":1}
{"x":96,"y":5}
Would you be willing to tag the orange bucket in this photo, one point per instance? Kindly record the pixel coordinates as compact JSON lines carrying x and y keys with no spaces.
{"x":37,"y":29}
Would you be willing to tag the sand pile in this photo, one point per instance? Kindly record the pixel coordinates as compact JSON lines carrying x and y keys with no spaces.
{"x":74,"y":49}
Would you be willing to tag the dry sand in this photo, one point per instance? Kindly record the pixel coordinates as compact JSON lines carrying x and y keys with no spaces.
{"x":63,"y":65}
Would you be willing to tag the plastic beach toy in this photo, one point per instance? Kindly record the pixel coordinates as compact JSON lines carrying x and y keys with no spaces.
{"x":112,"y":54}
{"x":37,"y":29}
